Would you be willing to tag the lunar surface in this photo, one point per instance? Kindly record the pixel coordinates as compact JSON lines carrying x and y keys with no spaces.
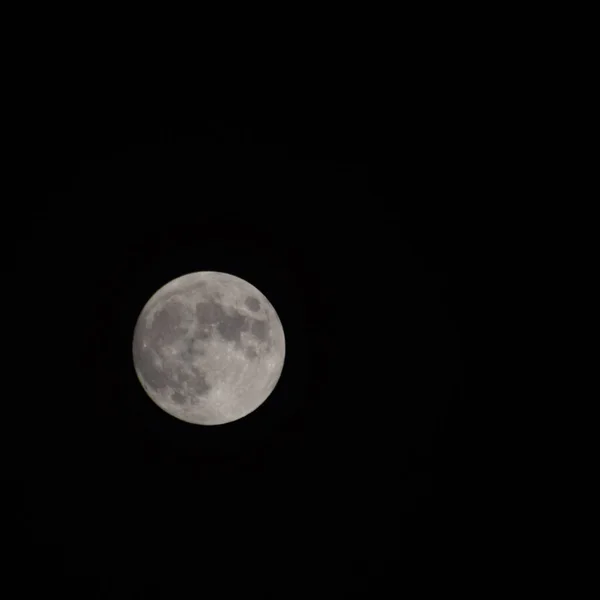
{"x":208,"y":348}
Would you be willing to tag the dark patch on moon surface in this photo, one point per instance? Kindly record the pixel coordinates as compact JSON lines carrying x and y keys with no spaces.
{"x":167,"y":326}
{"x":199,"y":383}
{"x":144,"y":359}
{"x":252,"y":303}
{"x":178,"y":398}
{"x":231,"y":327}
{"x":203,"y":333}
{"x":168,"y":316}
{"x":259,"y":329}
{"x":191,"y":351}
{"x":251,"y":353}
{"x":209,"y":313}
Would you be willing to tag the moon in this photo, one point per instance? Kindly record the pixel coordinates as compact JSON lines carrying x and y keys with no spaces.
{"x":208,"y":348}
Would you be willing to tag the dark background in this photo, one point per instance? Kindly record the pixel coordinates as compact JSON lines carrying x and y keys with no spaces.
{"x":353,"y":225}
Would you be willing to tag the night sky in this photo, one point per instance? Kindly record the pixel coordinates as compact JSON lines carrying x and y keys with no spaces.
{"x":351,"y":227}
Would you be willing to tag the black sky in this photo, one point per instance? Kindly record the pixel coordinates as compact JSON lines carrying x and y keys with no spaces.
{"x":351,"y":227}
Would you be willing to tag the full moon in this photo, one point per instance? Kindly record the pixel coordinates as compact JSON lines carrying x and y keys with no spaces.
{"x":208,"y":348}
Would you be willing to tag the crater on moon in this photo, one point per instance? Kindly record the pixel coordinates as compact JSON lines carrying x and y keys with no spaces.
{"x":208,"y":348}
{"x":252,"y":303}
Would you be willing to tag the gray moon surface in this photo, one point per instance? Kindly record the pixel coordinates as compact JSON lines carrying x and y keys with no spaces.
{"x":208,"y":348}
